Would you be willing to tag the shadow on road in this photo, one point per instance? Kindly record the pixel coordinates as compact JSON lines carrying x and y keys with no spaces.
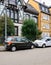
{"x":16,"y":50}
{"x":2,"y":50}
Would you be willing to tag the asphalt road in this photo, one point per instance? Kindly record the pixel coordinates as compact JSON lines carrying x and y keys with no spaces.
{"x":37,"y":56}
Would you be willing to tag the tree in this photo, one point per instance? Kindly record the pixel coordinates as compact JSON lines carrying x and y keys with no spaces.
{"x":29,"y":29}
{"x":10,"y":26}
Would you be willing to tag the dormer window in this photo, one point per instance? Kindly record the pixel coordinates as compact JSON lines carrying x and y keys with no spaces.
{"x":19,"y":3}
{"x":46,"y":10}
{"x":12,"y":2}
{"x":43,"y":8}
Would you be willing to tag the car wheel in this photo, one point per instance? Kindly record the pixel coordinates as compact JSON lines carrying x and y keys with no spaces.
{"x":13,"y":48}
{"x":43,"y":45}
{"x":32,"y":46}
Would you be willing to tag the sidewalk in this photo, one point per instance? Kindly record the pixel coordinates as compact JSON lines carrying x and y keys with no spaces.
{"x":2,"y":48}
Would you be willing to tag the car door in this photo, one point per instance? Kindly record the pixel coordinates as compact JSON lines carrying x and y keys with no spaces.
{"x":48,"y":42}
{"x":16,"y":42}
{"x":20,"y":43}
{"x":27,"y":43}
{"x":24,"y":43}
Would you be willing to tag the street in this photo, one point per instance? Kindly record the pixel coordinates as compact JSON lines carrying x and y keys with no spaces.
{"x":37,"y":56}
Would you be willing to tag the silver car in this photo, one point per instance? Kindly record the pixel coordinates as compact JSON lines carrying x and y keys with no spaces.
{"x":43,"y":42}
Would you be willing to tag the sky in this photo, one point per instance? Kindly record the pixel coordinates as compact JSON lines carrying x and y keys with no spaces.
{"x":47,"y":2}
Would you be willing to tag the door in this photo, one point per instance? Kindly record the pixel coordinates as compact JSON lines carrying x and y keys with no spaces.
{"x":24,"y":43}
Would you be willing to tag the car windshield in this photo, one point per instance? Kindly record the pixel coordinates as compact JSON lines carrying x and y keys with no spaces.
{"x":44,"y":39}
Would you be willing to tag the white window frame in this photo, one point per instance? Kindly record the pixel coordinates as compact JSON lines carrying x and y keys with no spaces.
{"x":46,"y":26}
{"x":45,"y":17}
{"x":45,"y":34}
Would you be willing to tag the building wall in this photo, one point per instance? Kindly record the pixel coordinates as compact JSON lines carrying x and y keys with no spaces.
{"x":44,"y":20}
{"x":45,"y":24}
{"x":50,"y":10}
{"x":50,"y":20}
{"x":19,"y":28}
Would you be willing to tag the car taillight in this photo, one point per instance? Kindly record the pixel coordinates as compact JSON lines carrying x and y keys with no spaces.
{"x":9,"y":43}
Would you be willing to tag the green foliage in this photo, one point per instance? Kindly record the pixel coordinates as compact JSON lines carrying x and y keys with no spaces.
{"x":10,"y":26}
{"x":38,"y":34}
{"x":29,"y":29}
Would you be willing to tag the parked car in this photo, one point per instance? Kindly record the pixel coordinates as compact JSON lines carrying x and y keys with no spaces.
{"x":13,"y":43}
{"x":43,"y":42}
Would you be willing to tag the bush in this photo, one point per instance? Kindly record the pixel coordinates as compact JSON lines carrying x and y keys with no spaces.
{"x":29,"y":29}
{"x":10,"y":26}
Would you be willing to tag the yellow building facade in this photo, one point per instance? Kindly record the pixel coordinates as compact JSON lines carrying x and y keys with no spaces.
{"x":44,"y":17}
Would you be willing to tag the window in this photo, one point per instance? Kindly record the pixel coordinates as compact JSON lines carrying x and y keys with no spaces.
{"x":6,"y":1}
{"x":48,"y":40}
{"x":12,"y":14}
{"x":12,"y":2}
{"x":46,"y":10}
{"x":46,"y":26}
{"x":19,"y":3}
{"x":15,"y":15}
{"x":1,"y":8}
{"x":8,"y":12}
{"x":19,"y":39}
{"x":20,"y":15}
{"x":45,"y":17}
{"x":44,"y":34}
{"x":15,"y":21}
{"x":26,"y":15}
{"x":23,"y":40}
{"x":33,"y":17}
{"x":43,"y":8}
{"x":16,"y":30}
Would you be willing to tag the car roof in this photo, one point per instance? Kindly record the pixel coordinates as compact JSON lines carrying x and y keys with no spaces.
{"x":15,"y":37}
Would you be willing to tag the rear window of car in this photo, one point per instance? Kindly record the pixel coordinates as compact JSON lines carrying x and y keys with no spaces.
{"x":9,"y":39}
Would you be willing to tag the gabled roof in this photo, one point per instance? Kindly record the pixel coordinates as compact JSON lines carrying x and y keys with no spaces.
{"x":45,"y":7}
{"x":28,"y":8}
{"x":42,"y":4}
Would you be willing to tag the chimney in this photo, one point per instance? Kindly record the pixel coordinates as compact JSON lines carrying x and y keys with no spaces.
{"x":43,"y":3}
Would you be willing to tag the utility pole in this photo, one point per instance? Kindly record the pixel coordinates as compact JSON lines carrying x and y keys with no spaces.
{"x":5,"y":22}
{"x":5,"y":4}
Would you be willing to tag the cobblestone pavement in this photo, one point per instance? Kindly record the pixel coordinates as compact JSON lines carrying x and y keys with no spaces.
{"x":37,"y":56}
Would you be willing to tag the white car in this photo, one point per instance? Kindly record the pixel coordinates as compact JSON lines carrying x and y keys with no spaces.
{"x":43,"y":42}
